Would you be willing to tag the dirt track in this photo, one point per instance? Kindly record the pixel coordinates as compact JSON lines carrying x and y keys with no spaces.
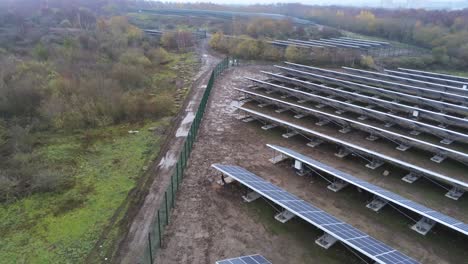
{"x":211,"y":222}
{"x":134,"y":244}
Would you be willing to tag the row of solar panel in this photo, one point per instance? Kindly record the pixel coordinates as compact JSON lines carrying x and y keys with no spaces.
{"x":333,"y":43}
{"x":369,"y":110}
{"x":458,"y":184}
{"x":251,"y":259}
{"x":390,"y":104}
{"x":394,"y":137}
{"x":452,"y":101}
{"x":422,"y":210}
{"x":347,"y":234}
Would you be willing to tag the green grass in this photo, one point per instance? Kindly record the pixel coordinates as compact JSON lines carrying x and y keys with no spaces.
{"x":64,"y":227}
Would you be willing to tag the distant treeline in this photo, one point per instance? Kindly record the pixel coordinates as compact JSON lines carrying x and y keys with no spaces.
{"x":445,"y":33}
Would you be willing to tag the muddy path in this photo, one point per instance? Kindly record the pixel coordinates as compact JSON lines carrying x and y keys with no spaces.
{"x":132,"y":247}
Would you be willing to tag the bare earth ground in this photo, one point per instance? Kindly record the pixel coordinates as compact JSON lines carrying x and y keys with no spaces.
{"x":212,"y":222}
{"x":134,"y":244}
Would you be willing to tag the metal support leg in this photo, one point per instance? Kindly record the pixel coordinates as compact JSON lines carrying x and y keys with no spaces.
{"x":455,"y":193}
{"x":374,"y":164}
{"x":343,"y":152}
{"x":251,"y":196}
{"x":411,"y":177}
{"x":423,"y":226}
{"x":284,"y":216}
{"x":337,"y":185}
{"x":326,"y":241}
{"x":377,"y":204}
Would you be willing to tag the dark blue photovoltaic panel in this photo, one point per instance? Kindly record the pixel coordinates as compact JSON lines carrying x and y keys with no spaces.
{"x":248,"y":260}
{"x":281,"y":196}
{"x":263,"y":186}
{"x":300,"y":206}
{"x":372,"y":246}
{"x":260,"y":259}
{"x":443,"y":217}
{"x":396,"y":257}
{"x":326,"y":222}
{"x":417,"y":207}
{"x":321,"y":218}
{"x":462,"y":226}
{"x":346,"y":231}
{"x":252,"y":259}
{"x":378,"y":191}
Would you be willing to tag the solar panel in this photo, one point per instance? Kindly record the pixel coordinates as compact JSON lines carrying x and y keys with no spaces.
{"x":422,"y":210}
{"x":289,"y":43}
{"x":311,"y":42}
{"x":335,"y":43}
{"x":432,"y":85}
{"x":251,"y":259}
{"x":366,"y":40}
{"x":361,"y":45}
{"x":390,"y":135}
{"x":428,"y":78}
{"x":441,"y":95}
{"x":440,"y":75}
{"x":436,"y":104}
{"x":340,"y":230}
{"x":353,"y":96}
{"x":358,"y":149}
{"x":445,"y":133}
{"x":377,"y":45}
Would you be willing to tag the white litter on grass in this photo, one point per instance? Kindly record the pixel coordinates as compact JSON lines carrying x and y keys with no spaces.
{"x":184,"y":128}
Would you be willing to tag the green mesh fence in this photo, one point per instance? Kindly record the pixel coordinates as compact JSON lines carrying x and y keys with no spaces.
{"x":162,"y":217}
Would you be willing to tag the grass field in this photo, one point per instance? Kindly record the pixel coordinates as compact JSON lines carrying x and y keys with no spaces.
{"x":63,"y":227}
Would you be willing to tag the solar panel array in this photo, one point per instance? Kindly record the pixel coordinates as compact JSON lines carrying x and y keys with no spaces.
{"x":428,"y":78}
{"x":251,"y":259}
{"x":435,"y":74}
{"x":358,"y":149}
{"x":344,"y":43}
{"x":419,"y":101}
{"x":353,"y":95}
{"x":400,"y":94}
{"x":411,"y":89}
{"x":347,"y":234}
{"x":392,"y":136}
{"x":422,"y":210}
{"x":408,"y":80}
{"x":445,"y":133}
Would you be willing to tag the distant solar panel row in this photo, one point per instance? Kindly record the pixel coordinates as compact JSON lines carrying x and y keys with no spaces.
{"x":400,"y":95}
{"x":252,"y":259}
{"x":436,"y":216}
{"x":410,"y":89}
{"x":289,"y":43}
{"x":408,"y":80}
{"x":361,"y":150}
{"x":429,"y":78}
{"x":372,"y":100}
{"x":378,"y":115}
{"x":311,"y":42}
{"x":392,"y":136}
{"x":347,"y":234}
{"x":358,"y":44}
{"x":435,"y":74}
{"x":366,"y":40}
{"x":372,"y":44}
